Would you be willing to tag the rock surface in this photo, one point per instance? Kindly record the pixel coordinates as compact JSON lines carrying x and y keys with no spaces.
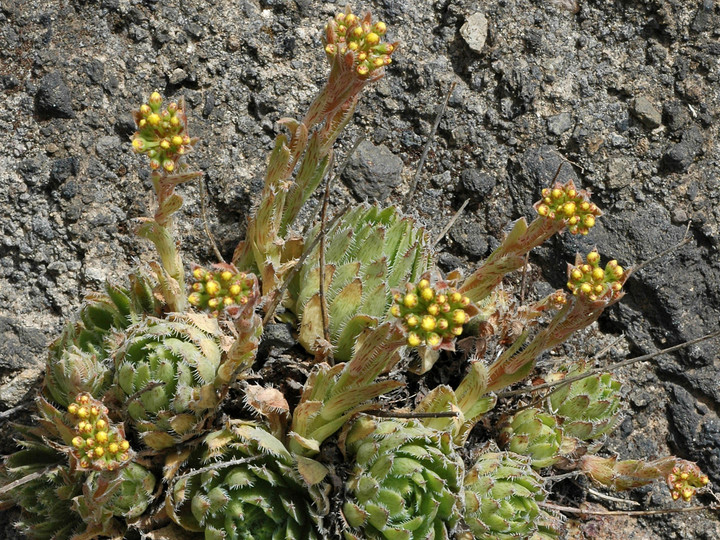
{"x":549,"y":86}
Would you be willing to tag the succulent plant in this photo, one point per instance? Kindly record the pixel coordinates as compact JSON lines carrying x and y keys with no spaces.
{"x":248,"y":486}
{"x":39,"y":481}
{"x":79,"y":359}
{"x":533,"y":433}
{"x":501,"y":495}
{"x":588,"y":408}
{"x":406,"y":481}
{"x":370,"y":251}
{"x":167,"y":376}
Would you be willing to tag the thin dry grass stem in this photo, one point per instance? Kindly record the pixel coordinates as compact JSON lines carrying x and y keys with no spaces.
{"x":580,"y":511}
{"x":450,"y":224}
{"x":613,"y":367}
{"x":605,"y":497}
{"x":215,"y":466}
{"x":558,"y":477}
{"x":431,"y":136}
{"x":9,"y":412}
{"x":321,"y":291}
{"x":203,"y":211}
{"x":392,"y":414}
{"x":686,"y":239}
{"x":291,"y":274}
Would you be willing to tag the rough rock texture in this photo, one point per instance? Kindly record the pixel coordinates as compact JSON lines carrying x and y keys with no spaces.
{"x":623,"y":94}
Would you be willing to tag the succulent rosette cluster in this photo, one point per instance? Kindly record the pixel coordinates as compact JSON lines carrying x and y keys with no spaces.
{"x":166,"y":371}
{"x":242,"y":483}
{"x":369,"y":252}
{"x":587,"y":408}
{"x":533,"y":433}
{"x":406,"y":481}
{"x":502,"y":492}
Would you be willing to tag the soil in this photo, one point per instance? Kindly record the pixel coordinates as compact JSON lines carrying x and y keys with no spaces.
{"x":623,"y":94}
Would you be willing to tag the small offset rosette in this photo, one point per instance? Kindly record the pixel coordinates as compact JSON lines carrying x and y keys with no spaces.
{"x":223,"y":290}
{"x":356,"y":43}
{"x":589,"y":280}
{"x":99,"y":444}
{"x":565,"y":202}
{"x":162,"y":133}
{"x":432,"y":312}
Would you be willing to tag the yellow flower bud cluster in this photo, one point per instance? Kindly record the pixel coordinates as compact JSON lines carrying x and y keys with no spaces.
{"x":565,"y":202}
{"x":685,"y":479}
{"x":99,"y":445}
{"x":220,"y":290}
{"x":592,"y":281}
{"x":348,"y":34}
{"x":431,"y":315}
{"x":162,"y":134}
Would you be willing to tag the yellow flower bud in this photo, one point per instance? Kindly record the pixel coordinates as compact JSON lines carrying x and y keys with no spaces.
{"x":155,"y":99}
{"x":100,"y":424}
{"x":380,"y":27}
{"x":459,"y":317}
{"x":442,"y":324}
{"x":576,"y":273}
{"x":198,"y":273}
{"x":598,"y":288}
{"x":78,"y":442}
{"x":226,"y":275}
{"x":138,"y":144}
{"x":212,"y":287}
{"x":99,"y":452}
{"x":194,"y":299}
{"x":556,"y":193}
{"x":213,"y":303}
{"x":153,"y":119}
{"x":82,"y":412}
{"x":145,"y":109}
{"x":395,"y":311}
{"x":593,"y":257}
{"x":586,"y":288}
{"x":441,"y":299}
{"x":101,"y":437}
{"x":73,"y":408}
{"x":413,"y":339}
{"x":428,"y":323}
{"x":589,"y":221}
{"x":113,"y":448}
{"x":410,"y":300}
{"x":175,"y":121}
{"x":168,"y":165}
{"x":362,"y":70}
{"x":568,"y":208}
{"x":571,"y":193}
{"x":543,"y":210}
{"x":235,"y":289}
{"x":456,"y":298}
{"x":427,"y":294}
{"x":124,"y":445}
{"x":90,"y":442}
{"x":412,"y":321}
{"x":457,"y":330}
{"x":433,"y":340}
{"x":433,"y":309}
{"x":598,"y":274}
{"x":164,"y":144}
{"x":228,"y":301}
